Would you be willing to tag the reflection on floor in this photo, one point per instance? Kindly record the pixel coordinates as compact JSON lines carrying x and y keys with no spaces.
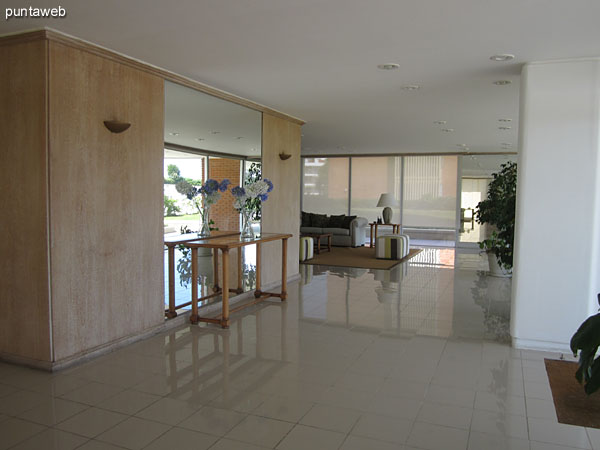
{"x":412,"y":358}
{"x":183,"y":273}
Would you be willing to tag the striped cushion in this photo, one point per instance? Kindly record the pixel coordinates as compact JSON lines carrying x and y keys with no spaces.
{"x":306,"y":248}
{"x":392,"y":246}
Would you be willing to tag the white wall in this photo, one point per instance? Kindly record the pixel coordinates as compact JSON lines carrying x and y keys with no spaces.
{"x":558,"y":203}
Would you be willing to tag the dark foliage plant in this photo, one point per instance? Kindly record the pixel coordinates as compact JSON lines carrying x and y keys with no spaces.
{"x":498,"y":210}
{"x":254,"y":204}
{"x":586,"y":341}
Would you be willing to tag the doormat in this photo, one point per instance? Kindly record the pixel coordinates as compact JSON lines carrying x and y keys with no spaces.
{"x":572,"y":405}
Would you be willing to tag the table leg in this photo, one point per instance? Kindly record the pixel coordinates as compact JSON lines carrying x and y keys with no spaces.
{"x":329,"y":242}
{"x":225,"y":291}
{"x":257,"y":292}
{"x":171,"y":252}
{"x":318,"y":245}
{"x":239,"y":271}
{"x":215,"y":270}
{"x":374,"y":242}
{"x":371,"y":240}
{"x":194,"y":316}
{"x":284,"y":269}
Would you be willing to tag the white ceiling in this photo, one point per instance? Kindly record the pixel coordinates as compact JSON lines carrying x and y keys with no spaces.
{"x":316,"y":59}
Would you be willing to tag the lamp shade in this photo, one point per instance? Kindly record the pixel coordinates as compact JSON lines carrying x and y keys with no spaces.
{"x":387,"y":200}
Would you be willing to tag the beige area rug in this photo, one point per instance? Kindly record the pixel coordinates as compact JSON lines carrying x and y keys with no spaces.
{"x":363,"y":257}
{"x":572,"y":405}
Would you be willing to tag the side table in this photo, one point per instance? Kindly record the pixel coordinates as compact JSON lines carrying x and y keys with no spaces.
{"x":396,"y":228}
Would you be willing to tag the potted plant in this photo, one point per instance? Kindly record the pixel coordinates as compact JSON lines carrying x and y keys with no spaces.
{"x":498,"y":210}
{"x":586,"y":340}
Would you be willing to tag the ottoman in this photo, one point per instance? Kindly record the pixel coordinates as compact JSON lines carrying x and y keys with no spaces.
{"x":392,"y":246}
{"x":306,"y":248}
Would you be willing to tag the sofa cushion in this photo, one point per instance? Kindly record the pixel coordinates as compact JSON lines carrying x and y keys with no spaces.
{"x":337,"y":231}
{"x":305,"y":219}
{"x":311,"y":230}
{"x":319,"y":220}
{"x":336,"y":221}
{"x":347,"y":221}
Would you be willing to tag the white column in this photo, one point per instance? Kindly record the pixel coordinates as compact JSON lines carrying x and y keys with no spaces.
{"x":557,"y":241}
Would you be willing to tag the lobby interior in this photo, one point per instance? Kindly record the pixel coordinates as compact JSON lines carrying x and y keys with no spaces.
{"x":431,"y":354}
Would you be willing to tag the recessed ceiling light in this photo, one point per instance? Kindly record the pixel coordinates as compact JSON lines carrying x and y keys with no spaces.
{"x":506,"y":144}
{"x":388,"y":66}
{"x":215,"y":132}
{"x":504,"y":120}
{"x":502,"y":82}
{"x":174,"y":134}
{"x":239,"y":137}
{"x":461,"y":145}
{"x":502,"y":57}
{"x":504,"y":128}
{"x":440,"y":122}
{"x":411,"y":87}
{"x":448,"y":130}
{"x":199,"y":139}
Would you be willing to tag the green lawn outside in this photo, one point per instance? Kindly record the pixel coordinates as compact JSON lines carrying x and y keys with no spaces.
{"x":190,"y":217}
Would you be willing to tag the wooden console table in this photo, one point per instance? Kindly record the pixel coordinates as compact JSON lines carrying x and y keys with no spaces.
{"x":396,"y":228}
{"x":226,"y":243}
{"x":173,"y":241}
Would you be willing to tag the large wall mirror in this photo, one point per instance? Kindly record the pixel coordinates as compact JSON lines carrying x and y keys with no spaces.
{"x":206,"y":137}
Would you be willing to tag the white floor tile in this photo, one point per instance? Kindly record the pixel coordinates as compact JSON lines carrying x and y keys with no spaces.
{"x":436,"y":437}
{"x":449,"y":416}
{"x":500,"y":423}
{"x":361,"y":443}
{"x":230,"y":444}
{"x":213,"y":421}
{"x":541,"y":409}
{"x":91,"y":422}
{"x":181,"y":439}
{"x":445,"y":395}
{"x":283,"y":408}
{"x":260,"y":431}
{"x":510,"y":404}
{"x":382,"y":428}
{"x":302,"y":437}
{"x":53,"y":411}
{"x":331,"y":418}
{"x":167,"y":411}
{"x":133,"y":433}
{"x":545,"y":430}
{"x":128,"y":402}
{"x":483,"y":441}
{"x":13,"y":431}
{"x":52,"y":440}
{"x":92,"y":393}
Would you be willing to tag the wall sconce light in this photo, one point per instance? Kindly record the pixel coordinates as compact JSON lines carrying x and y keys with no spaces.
{"x":283,"y":156}
{"x":114,"y":126}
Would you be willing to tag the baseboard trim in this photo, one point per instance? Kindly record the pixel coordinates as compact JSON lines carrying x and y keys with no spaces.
{"x":544,"y":346}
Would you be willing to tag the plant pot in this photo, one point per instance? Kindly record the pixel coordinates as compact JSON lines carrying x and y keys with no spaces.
{"x":495,"y":269}
{"x":204,"y":251}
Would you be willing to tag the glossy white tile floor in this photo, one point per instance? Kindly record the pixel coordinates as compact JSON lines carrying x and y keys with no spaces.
{"x":413,"y":358}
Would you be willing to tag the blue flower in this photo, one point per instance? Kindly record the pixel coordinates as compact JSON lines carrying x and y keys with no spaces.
{"x":263,"y":197}
{"x":266,"y":180}
{"x":223,"y":185}
{"x":238,"y":191}
{"x":211,"y":186}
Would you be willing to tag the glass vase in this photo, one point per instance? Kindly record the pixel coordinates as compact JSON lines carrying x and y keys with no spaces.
{"x":246,"y":232}
{"x":204,"y":223}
